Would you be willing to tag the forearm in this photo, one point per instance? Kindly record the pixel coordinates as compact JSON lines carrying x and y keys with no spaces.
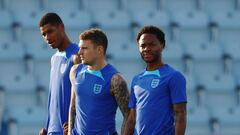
{"x":72,"y":114}
{"x":129,"y":127}
{"x":180,"y":121}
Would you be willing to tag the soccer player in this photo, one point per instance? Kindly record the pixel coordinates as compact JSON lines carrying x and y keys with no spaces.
{"x":53,"y":32}
{"x":97,"y":89}
{"x":158,"y":94}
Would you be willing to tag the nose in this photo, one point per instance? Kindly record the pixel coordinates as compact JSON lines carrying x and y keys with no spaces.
{"x":146,"y":48}
{"x":80,"y":52}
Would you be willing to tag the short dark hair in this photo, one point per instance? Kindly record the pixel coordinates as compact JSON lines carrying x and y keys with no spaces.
{"x":97,"y":36}
{"x":152,"y":30}
{"x":50,"y":18}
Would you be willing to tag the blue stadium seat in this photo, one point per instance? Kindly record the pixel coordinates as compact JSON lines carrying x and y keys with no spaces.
{"x":42,"y":73}
{"x":6,"y":26}
{"x":115,"y":23}
{"x":124,"y":51}
{"x":152,"y":17}
{"x":20,"y":89}
{"x":206,"y":57}
{"x":198,"y":122}
{"x":232,"y":50}
{"x":193,"y":25}
{"x":175,"y":6}
{"x":61,"y":5}
{"x":15,"y":5}
{"x":28,"y":118}
{"x":28,"y":19}
{"x":11,"y":51}
{"x":191,"y":91}
{"x":139,"y":5}
{"x":96,"y":6}
{"x":229,"y":28}
{"x":129,"y":68}
{"x":218,"y":87}
{"x":214,"y":6}
{"x":40,"y":51}
{"x":173,"y":54}
{"x":229,"y":120}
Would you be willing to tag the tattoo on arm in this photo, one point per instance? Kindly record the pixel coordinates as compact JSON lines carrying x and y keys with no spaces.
{"x":120,"y":91}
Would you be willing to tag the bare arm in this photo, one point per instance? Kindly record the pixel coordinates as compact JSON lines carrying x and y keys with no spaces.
{"x":130,"y":123}
{"x":72,"y":110}
{"x":180,"y":118}
{"x":120,"y":91}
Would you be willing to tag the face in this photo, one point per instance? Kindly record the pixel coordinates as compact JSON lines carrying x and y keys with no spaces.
{"x":150,"y":48}
{"x":88,"y":53}
{"x":53,"y":35}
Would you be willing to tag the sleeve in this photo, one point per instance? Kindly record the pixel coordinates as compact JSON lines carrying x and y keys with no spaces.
{"x":132,"y":100}
{"x":177,"y":87}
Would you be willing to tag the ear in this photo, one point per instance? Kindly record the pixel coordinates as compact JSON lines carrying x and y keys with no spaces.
{"x":61,"y":26}
{"x":100,"y":49}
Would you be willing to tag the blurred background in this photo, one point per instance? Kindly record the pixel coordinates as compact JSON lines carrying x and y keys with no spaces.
{"x":202,"y":41}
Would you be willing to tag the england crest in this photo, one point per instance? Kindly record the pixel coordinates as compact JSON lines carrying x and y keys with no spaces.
{"x":97,"y":88}
{"x":63,"y":68}
{"x":154,"y":83}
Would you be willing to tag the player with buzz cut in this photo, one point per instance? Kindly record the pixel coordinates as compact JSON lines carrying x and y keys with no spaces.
{"x":97,"y":89}
{"x":158,"y":94}
{"x":53,"y":32}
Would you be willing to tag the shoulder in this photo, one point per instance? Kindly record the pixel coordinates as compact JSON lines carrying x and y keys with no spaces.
{"x":117,"y":78}
{"x":118,"y":84}
{"x":73,"y":70}
{"x":177,"y":77}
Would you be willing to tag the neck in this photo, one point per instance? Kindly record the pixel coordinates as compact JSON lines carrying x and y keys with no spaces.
{"x":66,"y":43}
{"x":98,"y":65}
{"x":154,"y":66}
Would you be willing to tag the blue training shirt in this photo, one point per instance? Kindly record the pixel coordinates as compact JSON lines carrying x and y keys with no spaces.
{"x":95,"y":106}
{"x":153,"y":94}
{"x":60,"y":89}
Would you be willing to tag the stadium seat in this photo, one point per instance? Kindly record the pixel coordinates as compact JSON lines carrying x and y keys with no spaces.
{"x":232,"y":50}
{"x":198,"y":122}
{"x":206,"y":57}
{"x":229,"y":28}
{"x":96,"y":6}
{"x":28,"y":19}
{"x":124,"y":51}
{"x":15,"y":5}
{"x":40,"y":51}
{"x":193,"y":25}
{"x":6,"y":26}
{"x":137,"y":5}
{"x":219,"y":87}
{"x":175,"y":6}
{"x":229,"y":121}
{"x":129,"y":68}
{"x":214,"y":6}
{"x":173,"y":54}
{"x":11,"y":51}
{"x":61,"y":5}
{"x":116,"y":24}
{"x":23,"y":92}
{"x":152,"y":17}
{"x":28,"y":119}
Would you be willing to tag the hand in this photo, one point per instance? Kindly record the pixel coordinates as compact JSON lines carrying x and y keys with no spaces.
{"x":65,"y":128}
{"x":43,"y":131}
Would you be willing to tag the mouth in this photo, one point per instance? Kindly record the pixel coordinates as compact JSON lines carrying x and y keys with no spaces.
{"x":50,"y":43}
{"x":147,"y":55}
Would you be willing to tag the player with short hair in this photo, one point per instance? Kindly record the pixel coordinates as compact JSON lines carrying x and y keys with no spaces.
{"x":97,"y":89}
{"x":53,"y":32}
{"x":158,"y":94}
